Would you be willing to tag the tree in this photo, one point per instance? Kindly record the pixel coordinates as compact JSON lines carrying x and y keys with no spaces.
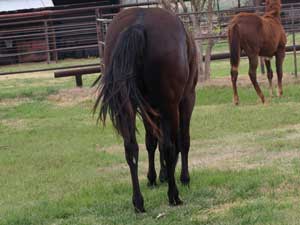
{"x":202,"y":9}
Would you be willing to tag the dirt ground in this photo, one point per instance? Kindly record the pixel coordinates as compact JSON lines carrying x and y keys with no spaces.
{"x":244,"y":80}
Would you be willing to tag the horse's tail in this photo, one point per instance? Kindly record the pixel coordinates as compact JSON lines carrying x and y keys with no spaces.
{"x":119,"y":95}
{"x":235,"y":48}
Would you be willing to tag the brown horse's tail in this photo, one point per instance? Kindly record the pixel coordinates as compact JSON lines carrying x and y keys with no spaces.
{"x":235,"y":48}
{"x":119,"y":95}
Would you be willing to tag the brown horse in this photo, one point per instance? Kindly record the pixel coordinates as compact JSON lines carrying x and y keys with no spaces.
{"x":257,"y":36}
{"x":150,"y":70}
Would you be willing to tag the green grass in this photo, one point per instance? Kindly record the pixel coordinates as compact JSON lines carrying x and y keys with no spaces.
{"x":44,"y":65}
{"x":58,"y":167}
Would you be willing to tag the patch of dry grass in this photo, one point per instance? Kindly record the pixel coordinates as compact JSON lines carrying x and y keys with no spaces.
{"x":10,"y":102}
{"x":71,"y":97}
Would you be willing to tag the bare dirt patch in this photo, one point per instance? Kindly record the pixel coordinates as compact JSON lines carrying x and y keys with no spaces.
{"x":14,"y":124}
{"x":9,"y":102}
{"x":224,"y":156}
{"x":244,"y":81}
{"x":244,"y":151}
{"x":71,"y":97}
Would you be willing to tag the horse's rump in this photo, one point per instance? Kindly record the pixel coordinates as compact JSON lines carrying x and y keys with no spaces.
{"x":160,"y":48}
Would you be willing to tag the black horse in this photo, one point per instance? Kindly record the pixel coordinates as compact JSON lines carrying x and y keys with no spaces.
{"x":150,"y":69}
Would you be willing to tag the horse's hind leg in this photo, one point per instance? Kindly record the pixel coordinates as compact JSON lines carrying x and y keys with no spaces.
{"x":170,"y":125}
{"x":163,"y":176}
{"x":270,"y":75}
{"x":253,"y":60}
{"x":279,"y":62}
{"x":186,"y":109}
{"x":151,"y":144}
{"x":132,"y":156}
{"x":234,"y":75}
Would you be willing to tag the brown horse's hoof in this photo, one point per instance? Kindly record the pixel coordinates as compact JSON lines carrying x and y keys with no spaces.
{"x":266,"y":103}
{"x":236,"y":101}
{"x":174,"y":199}
{"x":151,"y":184}
{"x":279,"y":92}
{"x":138,"y":203}
{"x":151,"y":179}
{"x":176,"y":202}
{"x":142,"y":210}
{"x":163,"y":177}
{"x":185,"y":180}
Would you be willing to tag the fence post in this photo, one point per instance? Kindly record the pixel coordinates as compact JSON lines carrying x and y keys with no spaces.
{"x":47,"y":41}
{"x":294,"y":41}
{"x":78,"y":79}
{"x":99,"y":32}
{"x":53,"y":41}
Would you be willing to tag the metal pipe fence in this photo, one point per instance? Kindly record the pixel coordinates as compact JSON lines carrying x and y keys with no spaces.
{"x":54,"y":35}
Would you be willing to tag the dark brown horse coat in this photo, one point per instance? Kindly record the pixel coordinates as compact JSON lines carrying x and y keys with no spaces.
{"x":150,"y":69}
{"x":257,"y":36}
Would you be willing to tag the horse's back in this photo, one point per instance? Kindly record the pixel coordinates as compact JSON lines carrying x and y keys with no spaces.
{"x":249,"y":27}
{"x":165,"y":32}
{"x":264,"y":33}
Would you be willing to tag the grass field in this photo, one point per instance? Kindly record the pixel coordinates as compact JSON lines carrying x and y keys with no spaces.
{"x":57,"y":167}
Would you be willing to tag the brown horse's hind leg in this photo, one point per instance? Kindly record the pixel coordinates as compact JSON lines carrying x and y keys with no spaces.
{"x":163,"y":176}
{"x":151,"y":144}
{"x":270,"y":75}
{"x":186,"y":109}
{"x":234,"y":76}
{"x":279,"y":61}
{"x":170,"y":125}
{"x":252,"y":74}
{"x":132,"y":156}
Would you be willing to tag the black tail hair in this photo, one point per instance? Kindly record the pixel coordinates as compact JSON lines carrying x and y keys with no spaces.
{"x":119,"y":95}
{"x":235,"y":49}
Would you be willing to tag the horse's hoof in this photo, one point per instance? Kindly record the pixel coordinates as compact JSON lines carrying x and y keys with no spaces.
{"x":139,"y":210}
{"x":151,"y":184}
{"x":138,"y":204}
{"x":176,"y":202}
{"x":151,"y":179}
{"x":279,"y":91}
{"x":236,"y":100}
{"x":163,"y":177}
{"x":185,"y":180}
{"x":174,"y":199}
